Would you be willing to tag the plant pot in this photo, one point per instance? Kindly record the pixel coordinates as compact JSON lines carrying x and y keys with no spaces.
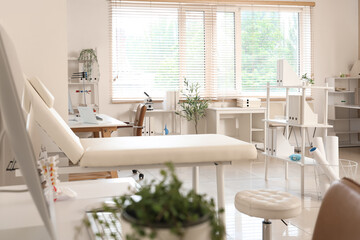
{"x":199,"y":231}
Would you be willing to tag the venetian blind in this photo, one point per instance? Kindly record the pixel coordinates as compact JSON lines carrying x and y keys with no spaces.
{"x":229,"y":50}
{"x":269,"y":34}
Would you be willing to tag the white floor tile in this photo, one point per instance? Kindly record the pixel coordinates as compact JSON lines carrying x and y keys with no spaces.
{"x":250,"y":175}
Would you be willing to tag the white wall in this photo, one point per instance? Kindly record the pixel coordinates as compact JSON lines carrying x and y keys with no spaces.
{"x":335,"y":25}
{"x":336,"y":40}
{"x":38,"y":30}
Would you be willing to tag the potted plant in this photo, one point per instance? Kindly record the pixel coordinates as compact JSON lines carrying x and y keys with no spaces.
{"x":88,"y":58}
{"x":193,"y":107}
{"x":308,"y":80}
{"x":163,"y":210}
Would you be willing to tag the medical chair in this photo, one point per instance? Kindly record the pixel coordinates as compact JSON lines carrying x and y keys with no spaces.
{"x":127,"y":153}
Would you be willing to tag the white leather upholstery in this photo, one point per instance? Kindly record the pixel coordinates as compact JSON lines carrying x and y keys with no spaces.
{"x":43,"y":92}
{"x":268,"y":204}
{"x":122,"y":151}
{"x":125,"y":151}
{"x":51,"y":122}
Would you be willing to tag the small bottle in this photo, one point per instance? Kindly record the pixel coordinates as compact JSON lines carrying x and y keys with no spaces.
{"x":166,"y":131}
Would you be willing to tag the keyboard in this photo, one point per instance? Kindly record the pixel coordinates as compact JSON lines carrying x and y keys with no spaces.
{"x":110,"y":227}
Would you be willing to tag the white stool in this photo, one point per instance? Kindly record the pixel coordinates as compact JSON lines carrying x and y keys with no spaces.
{"x":267,"y":204}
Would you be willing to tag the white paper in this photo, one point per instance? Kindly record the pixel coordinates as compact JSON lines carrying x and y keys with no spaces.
{"x":332,"y":153}
{"x":319,"y":143}
{"x":320,"y":159}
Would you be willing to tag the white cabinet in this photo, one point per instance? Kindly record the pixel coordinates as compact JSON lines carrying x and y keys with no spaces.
{"x":247,"y":122}
{"x":82,"y":91}
{"x":344,"y":110}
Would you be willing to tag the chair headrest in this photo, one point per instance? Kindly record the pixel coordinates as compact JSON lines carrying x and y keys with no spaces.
{"x":52,"y":123}
{"x":43,"y":92}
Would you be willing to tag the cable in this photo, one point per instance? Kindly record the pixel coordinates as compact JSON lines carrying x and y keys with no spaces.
{"x":14,"y":191}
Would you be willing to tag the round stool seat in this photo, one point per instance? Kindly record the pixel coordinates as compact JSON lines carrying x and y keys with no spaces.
{"x":268,"y":204}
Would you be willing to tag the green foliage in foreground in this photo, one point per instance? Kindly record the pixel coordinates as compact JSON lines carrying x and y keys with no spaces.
{"x":165,"y":203}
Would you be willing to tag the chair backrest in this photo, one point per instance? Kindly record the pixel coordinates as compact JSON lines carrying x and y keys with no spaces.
{"x":139,"y":120}
{"x":339,"y":214}
{"x":36,"y":97}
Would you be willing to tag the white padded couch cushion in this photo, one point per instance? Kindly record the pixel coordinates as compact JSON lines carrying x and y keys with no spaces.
{"x":52,"y":123}
{"x":43,"y":92}
{"x":123,"y":151}
{"x":268,"y":204}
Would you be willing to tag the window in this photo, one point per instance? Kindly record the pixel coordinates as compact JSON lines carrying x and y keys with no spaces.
{"x":229,"y":50}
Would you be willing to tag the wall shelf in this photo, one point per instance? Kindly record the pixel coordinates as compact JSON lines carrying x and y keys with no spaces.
{"x":76,"y":86}
{"x":344,"y":110}
{"x":304,"y":117}
{"x":308,"y":161}
{"x":284,"y":122}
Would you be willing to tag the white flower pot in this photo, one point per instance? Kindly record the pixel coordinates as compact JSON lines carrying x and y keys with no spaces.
{"x":201,"y":231}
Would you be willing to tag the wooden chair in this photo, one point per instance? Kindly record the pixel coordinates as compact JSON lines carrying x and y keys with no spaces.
{"x":139,"y":120}
{"x":137,"y":129}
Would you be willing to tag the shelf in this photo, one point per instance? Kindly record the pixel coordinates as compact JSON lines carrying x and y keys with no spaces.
{"x":344,"y":119}
{"x":86,"y":83}
{"x":257,"y":129}
{"x":347,"y":132}
{"x":76,"y":107}
{"x":310,"y":87}
{"x":346,"y":78}
{"x":348,"y":106}
{"x":158,"y":111}
{"x":342,"y":92}
{"x":308,"y":161}
{"x":235,"y":109}
{"x":284,"y":122}
{"x":349,"y":145}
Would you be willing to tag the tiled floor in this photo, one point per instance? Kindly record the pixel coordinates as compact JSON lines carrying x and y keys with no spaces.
{"x":250,"y":175}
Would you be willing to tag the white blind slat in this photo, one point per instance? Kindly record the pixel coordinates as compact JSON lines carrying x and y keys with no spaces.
{"x":230,"y":50}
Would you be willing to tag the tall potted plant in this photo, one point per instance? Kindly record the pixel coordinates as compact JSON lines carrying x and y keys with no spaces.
{"x":193,"y":107}
{"x":164,"y":211}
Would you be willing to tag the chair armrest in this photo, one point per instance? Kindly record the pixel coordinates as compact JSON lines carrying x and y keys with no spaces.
{"x":138,"y":127}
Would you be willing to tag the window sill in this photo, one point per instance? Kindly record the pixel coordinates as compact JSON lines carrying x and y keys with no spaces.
{"x":263,"y":99}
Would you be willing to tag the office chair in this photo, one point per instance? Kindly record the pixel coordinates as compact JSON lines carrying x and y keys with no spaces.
{"x":339,"y":214}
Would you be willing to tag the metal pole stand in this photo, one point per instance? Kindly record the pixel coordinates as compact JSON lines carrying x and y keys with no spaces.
{"x":266,"y":229}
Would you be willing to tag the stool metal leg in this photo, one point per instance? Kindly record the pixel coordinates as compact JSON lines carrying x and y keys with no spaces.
{"x":195,"y":179}
{"x":266,"y":229}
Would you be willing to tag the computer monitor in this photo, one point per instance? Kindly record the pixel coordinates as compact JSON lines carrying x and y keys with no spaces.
{"x":15,"y":129}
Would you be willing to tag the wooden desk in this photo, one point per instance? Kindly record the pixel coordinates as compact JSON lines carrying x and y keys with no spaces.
{"x":105,"y":127}
{"x":19,"y":218}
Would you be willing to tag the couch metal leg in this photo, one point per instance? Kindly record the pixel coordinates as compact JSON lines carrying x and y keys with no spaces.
{"x":266,"y":232}
{"x":195,"y":179}
{"x":220,"y":190}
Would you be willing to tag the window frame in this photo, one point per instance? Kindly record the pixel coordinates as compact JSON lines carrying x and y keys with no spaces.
{"x":210,"y":12}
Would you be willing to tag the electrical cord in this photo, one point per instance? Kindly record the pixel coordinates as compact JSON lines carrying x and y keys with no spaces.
{"x":14,"y":191}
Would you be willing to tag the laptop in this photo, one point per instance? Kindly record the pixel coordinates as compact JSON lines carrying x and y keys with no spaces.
{"x":87,"y":115}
